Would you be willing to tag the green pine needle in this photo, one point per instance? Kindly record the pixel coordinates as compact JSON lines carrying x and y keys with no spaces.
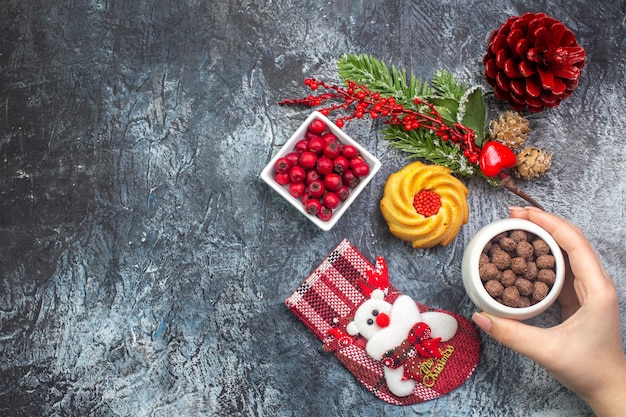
{"x":377,"y":76}
{"x":425,"y":144}
{"x":447,"y":86}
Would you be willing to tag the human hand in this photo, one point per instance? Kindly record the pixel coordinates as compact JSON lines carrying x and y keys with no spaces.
{"x":590,"y":328}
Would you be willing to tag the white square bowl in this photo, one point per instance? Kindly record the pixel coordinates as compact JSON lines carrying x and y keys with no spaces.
{"x":267,"y":174}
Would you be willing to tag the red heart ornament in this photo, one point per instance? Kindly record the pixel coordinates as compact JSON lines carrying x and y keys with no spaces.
{"x":494,"y":157}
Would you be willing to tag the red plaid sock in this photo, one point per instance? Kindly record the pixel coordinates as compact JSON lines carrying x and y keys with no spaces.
{"x":326,"y":302}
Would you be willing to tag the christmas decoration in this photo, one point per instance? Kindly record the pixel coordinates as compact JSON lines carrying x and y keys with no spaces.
{"x":495,"y":157}
{"x":415,"y":115}
{"x":533,"y":61}
{"x":402,"y":351}
{"x":510,"y":129}
{"x":443,"y":122}
{"x":532,"y":163}
{"x":397,"y":331}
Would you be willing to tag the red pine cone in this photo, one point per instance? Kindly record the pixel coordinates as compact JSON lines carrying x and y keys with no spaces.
{"x":533,"y":61}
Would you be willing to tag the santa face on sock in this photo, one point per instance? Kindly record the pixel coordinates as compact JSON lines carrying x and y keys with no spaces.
{"x":387,"y":326}
{"x":371,"y":317}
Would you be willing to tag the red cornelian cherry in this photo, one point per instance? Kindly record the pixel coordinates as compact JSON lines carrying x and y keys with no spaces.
{"x":305,"y":197}
{"x":332,"y":150}
{"x":317,"y":126}
{"x":341,"y":164}
{"x":311,"y":175}
{"x":308,"y":135}
{"x":312,"y":206}
{"x":349,"y":152}
{"x":316,"y":145}
{"x":349,"y":179}
{"x":316,"y":189}
{"x":331,"y":200}
{"x":357,"y":160}
{"x":293,"y":158}
{"x":329,"y":137}
{"x":282,"y":178}
{"x":333,"y":181}
{"x":296,"y":189}
{"x":427,"y":203}
{"x":308,"y":160}
{"x":302,"y":145}
{"x":343,"y":193}
{"x":324,"y":165}
{"x":282,"y":165}
{"x":361,"y":170}
{"x":297,"y":173}
{"x":325,"y":214}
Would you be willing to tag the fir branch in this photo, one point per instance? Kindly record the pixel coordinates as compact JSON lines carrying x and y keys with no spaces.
{"x":427,"y":145}
{"x":447,"y":86}
{"x":448,"y":94}
{"x":376,"y":75}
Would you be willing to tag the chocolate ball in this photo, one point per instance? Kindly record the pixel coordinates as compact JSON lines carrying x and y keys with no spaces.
{"x":531,"y":271}
{"x":546,"y":276}
{"x":540,"y":247}
{"x":525,"y":250}
{"x":545,"y":262}
{"x":501,"y":259}
{"x":508,"y":244}
{"x":524,"y":286}
{"x":510,"y":297}
{"x":488,"y":272}
{"x":518,"y":265}
{"x":483,"y":259}
{"x":494,"y":247}
{"x":524,"y":302}
{"x":494,"y":288}
{"x":499,"y":236}
{"x":540,"y":290}
{"x":518,"y":236}
{"x":508,"y":278}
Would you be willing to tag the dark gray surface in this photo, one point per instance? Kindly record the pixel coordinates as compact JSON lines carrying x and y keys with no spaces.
{"x":144,"y":264}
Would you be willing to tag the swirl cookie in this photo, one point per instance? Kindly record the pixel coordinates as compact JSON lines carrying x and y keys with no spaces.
{"x":425,"y":205}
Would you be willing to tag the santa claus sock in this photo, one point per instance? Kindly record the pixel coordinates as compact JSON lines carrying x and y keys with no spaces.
{"x":404,"y":352}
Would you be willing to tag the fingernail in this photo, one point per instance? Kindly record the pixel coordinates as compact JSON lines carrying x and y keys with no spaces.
{"x":514,"y":208}
{"x":482,"y":321}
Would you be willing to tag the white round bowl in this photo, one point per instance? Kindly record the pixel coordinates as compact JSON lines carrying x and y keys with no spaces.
{"x":475,"y":287}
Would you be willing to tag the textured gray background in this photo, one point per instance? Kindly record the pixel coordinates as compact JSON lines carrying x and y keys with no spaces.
{"x":143,"y":263}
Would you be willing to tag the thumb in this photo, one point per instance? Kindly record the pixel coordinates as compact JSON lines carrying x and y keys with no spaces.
{"x":513,"y":334}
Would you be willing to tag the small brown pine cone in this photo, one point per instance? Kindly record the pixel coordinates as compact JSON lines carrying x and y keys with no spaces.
{"x":510,"y":129}
{"x":532,"y":163}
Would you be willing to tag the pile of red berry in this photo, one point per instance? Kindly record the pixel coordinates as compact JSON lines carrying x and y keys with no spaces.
{"x":320,"y":170}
